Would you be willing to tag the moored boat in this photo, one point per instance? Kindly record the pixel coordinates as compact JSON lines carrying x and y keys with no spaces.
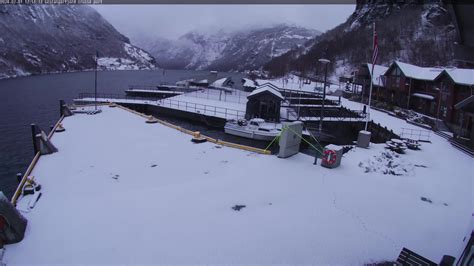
{"x":256,"y":129}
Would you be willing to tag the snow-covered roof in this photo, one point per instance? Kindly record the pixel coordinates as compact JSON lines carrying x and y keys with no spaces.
{"x":248,"y":82}
{"x":461,"y":75}
{"x":183,"y":82}
{"x":271,"y":85}
{"x":417,"y":72}
{"x":266,"y":88}
{"x":219,"y":82}
{"x":423,"y":96}
{"x":379,"y":71}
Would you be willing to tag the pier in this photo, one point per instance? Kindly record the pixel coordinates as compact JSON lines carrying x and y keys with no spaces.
{"x":116,"y":177}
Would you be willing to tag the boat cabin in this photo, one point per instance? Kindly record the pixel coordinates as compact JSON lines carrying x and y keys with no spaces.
{"x":264,"y":102}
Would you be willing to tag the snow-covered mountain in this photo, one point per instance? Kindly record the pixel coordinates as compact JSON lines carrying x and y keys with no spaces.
{"x":56,"y":38}
{"x":225,"y":51}
{"x":414,"y":31}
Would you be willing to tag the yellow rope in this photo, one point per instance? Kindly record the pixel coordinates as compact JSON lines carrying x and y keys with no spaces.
{"x":276,"y":137}
{"x":316,"y":140}
{"x":301,"y":137}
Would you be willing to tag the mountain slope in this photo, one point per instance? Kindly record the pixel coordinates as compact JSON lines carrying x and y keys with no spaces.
{"x":226,"y":51}
{"x":54,"y":38}
{"x":417,"y":33}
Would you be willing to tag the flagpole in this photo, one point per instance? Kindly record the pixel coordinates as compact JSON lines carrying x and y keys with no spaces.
{"x":95,"y":80}
{"x":370,"y":97}
{"x":371,"y":80}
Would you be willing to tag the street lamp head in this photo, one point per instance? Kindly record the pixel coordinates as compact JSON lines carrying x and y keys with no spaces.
{"x":324,"y":61}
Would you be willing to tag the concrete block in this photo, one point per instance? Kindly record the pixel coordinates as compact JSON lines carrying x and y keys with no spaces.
{"x":363,"y":140}
{"x":45,"y":146}
{"x":290,"y":139}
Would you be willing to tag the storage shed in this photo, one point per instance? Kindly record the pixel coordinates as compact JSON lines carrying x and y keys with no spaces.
{"x":264,"y":102}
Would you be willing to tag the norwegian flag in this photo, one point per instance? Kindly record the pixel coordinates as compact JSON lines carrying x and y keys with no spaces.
{"x":375,"y":47}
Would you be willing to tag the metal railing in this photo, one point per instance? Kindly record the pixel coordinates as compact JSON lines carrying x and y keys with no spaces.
{"x":234,"y":96}
{"x":204,"y":109}
{"x":416,"y":134}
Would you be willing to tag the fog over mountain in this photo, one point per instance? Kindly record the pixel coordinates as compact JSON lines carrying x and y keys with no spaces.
{"x":226,"y":51}
{"x":173,"y":21}
{"x":221,"y":37}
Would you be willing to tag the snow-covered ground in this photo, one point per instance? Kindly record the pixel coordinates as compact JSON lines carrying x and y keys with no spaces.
{"x":123,"y":191}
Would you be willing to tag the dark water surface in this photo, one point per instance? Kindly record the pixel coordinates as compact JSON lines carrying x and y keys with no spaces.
{"x":36,"y":100}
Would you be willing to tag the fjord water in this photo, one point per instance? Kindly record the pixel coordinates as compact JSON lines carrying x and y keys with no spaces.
{"x":35,"y":99}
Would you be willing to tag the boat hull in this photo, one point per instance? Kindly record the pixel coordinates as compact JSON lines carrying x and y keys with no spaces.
{"x":250,"y":134}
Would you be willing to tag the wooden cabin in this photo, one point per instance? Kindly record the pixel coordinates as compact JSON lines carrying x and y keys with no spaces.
{"x":264,"y":102}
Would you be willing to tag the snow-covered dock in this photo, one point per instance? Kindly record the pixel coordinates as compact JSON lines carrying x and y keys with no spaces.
{"x":208,"y":107}
{"x":121,"y":191}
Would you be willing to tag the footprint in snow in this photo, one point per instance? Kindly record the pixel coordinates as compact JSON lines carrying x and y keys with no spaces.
{"x":238,"y":207}
{"x":426,"y":199}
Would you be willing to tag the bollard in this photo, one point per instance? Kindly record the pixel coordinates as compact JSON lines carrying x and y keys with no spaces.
{"x":60,"y":128}
{"x":61,"y":103}
{"x":19,"y":176}
{"x":197,"y":138}
{"x":34,"y":130}
{"x":64,"y":109}
{"x":41,"y":143}
{"x":151,"y":120}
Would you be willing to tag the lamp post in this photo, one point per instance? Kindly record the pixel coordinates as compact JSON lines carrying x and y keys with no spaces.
{"x":325,"y":62}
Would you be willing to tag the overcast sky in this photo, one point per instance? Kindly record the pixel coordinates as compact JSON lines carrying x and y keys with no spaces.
{"x":172,"y":21}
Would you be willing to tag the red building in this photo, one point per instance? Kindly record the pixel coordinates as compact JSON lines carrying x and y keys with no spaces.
{"x":432,"y":91}
{"x":456,"y":85}
{"x":413,"y":87}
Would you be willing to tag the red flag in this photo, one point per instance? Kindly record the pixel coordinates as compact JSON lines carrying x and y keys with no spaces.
{"x":375,"y":47}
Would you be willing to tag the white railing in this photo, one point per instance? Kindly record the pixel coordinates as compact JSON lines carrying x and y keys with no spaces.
{"x":222,"y":112}
{"x":235,"y":96}
{"x":416,"y":134}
